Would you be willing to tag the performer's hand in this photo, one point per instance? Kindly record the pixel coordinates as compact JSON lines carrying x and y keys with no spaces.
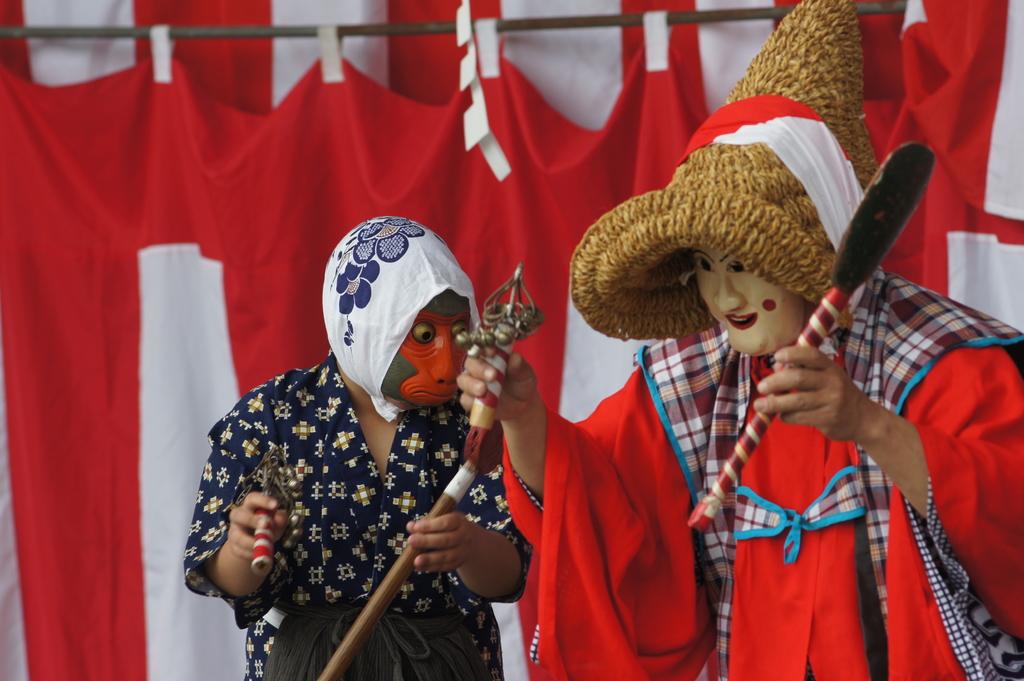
{"x":446,"y":542}
{"x":810,"y":389}
{"x":813,"y":390}
{"x":486,"y":561}
{"x":518,"y":393}
{"x":243,"y":523}
{"x":520,"y":410}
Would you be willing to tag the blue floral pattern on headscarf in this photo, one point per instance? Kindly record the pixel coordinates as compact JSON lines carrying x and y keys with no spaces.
{"x":383,"y":238}
{"x":354,"y":285}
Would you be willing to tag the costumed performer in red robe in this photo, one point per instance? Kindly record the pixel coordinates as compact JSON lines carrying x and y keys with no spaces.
{"x":876,"y":533}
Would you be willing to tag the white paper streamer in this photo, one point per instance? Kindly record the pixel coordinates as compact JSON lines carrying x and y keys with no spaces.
{"x":474,"y":121}
{"x":475,"y":126}
{"x":486,"y":33}
{"x":463,"y":27}
{"x":467,"y":67}
{"x":495,"y":156}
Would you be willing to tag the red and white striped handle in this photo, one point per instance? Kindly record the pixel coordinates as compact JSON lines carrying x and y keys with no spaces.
{"x":817,"y":330}
{"x":482,"y":414}
{"x":263,"y":550}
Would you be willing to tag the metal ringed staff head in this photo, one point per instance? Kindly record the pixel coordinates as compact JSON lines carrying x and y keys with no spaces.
{"x":510,"y":314}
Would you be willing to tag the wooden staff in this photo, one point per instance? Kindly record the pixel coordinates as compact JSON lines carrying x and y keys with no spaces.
{"x":888,"y":203}
{"x":504,"y":323}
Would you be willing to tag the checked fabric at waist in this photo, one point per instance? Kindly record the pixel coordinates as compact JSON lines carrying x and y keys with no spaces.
{"x":841,"y":500}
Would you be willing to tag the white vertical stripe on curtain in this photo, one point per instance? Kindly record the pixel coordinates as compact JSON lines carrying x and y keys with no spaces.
{"x":914,"y":14}
{"x":65,"y":61}
{"x":13,"y":657}
{"x":726,"y":48}
{"x":987,"y":275}
{"x":186,"y":382}
{"x":294,"y":56}
{"x":594,"y":367}
{"x":1004,"y":182}
{"x":578,"y":71}
{"x":513,"y":652}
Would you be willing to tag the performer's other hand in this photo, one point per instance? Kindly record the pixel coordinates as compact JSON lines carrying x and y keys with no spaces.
{"x":244,"y":520}
{"x":446,"y":542}
{"x":809,"y":388}
{"x":520,"y":410}
{"x":518,"y":393}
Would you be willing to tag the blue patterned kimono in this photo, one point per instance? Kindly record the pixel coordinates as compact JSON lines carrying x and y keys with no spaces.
{"x":354,"y":526}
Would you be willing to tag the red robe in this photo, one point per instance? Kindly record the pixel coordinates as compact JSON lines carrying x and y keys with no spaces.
{"x":618,"y":595}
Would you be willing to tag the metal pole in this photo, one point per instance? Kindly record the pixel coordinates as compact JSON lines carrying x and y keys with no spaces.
{"x":426,"y":28}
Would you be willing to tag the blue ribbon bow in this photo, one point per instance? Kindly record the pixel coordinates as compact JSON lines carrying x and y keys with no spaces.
{"x":795,"y":522}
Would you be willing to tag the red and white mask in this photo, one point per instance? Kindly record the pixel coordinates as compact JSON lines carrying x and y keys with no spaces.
{"x":759,"y":316}
{"x":423,"y":371}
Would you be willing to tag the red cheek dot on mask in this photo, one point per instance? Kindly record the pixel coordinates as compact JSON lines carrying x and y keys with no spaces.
{"x":768,"y":304}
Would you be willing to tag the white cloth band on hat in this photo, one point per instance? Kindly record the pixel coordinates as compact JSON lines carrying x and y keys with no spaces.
{"x":810,"y":151}
{"x":379,"y":277}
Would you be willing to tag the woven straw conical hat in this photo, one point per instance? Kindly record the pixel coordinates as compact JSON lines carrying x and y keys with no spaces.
{"x":741,"y":200}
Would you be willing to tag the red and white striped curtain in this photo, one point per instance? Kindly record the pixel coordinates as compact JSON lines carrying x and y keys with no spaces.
{"x":162,"y":244}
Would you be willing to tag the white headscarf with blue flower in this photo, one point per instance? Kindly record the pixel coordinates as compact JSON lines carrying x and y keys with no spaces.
{"x":379,"y":277}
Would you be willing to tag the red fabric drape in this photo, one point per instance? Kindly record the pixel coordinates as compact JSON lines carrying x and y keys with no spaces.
{"x":103,"y":169}
{"x":232,"y":71}
{"x":94,"y":172}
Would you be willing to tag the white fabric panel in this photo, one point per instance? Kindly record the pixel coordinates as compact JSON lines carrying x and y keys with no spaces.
{"x":187,"y":382}
{"x":1004,"y":182}
{"x":513,"y":651}
{"x":62,"y":62}
{"x":294,"y":56}
{"x":13,"y":658}
{"x":578,"y":71}
{"x":726,"y":48}
{"x":987,"y":275}
{"x":595,"y":366}
{"x":914,"y":14}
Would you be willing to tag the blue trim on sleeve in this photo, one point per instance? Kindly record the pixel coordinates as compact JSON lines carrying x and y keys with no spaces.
{"x":923,"y":371}
{"x":666,"y":424}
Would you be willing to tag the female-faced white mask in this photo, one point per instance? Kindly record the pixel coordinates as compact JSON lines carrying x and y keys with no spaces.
{"x":759,"y":316}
